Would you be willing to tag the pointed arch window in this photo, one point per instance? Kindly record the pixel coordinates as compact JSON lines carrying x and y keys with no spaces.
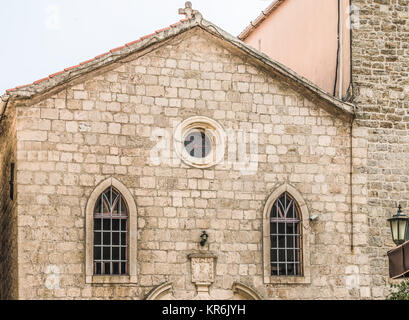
{"x":286,"y":253}
{"x":110,"y":234}
{"x":286,"y":237}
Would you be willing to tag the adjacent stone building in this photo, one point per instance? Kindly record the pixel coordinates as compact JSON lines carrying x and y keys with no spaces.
{"x":380,"y":66}
{"x":188,"y":165}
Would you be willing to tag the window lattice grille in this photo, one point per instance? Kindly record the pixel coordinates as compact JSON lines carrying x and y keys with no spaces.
{"x":285,"y":238}
{"x":110,"y":234}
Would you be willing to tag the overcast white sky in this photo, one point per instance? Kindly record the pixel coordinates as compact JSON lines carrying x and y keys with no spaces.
{"x":42,"y":37}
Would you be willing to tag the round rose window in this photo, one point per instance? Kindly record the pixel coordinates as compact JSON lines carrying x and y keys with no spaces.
{"x":200,"y":142}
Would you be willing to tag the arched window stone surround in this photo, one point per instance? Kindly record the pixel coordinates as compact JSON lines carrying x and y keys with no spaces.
{"x":162,"y":292}
{"x":214,"y":131}
{"x":132,"y":236}
{"x":245,"y":292}
{"x":268,"y":278}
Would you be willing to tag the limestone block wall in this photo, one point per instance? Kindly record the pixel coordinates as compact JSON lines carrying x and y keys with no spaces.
{"x":8,"y":219}
{"x":381,"y":90}
{"x":103,"y":127}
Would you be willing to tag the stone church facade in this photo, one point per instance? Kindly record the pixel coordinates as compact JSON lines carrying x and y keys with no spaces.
{"x":108,"y":126}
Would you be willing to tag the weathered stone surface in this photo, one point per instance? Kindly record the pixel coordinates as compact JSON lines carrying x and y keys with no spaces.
{"x":8,"y":211}
{"x":70,"y":142}
{"x":380,"y":76}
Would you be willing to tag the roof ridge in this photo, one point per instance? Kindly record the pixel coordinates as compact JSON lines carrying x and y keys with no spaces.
{"x":263,"y":15}
{"x":112,"y":51}
{"x":114,"y":55}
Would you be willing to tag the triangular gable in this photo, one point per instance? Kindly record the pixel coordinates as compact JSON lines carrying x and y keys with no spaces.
{"x":44,"y":85}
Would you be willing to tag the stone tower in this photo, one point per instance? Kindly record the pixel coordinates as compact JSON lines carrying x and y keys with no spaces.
{"x":380,"y":65}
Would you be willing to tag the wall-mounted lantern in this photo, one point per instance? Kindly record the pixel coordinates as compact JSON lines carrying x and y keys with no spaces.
{"x":204,"y":238}
{"x":399,"y":227}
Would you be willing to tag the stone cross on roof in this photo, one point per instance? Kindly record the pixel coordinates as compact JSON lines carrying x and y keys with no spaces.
{"x":189,"y":12}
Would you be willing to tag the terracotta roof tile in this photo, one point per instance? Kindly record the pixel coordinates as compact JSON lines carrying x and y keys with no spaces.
{"x":41,"y":80}
{"x":176,"y":24}
{"x":70,"y":68}
{"x":24,"y":85}
{"x":88,"y":61}
{"x":56,"y":74}
{"x":103,"y":54}
{"x":19,"y":87}
{"x":345,"y":107}
{"x":133,"y":42}
{"x":148,"y":36}
{"x":161,"y":30}
{"x":117,"y":49}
